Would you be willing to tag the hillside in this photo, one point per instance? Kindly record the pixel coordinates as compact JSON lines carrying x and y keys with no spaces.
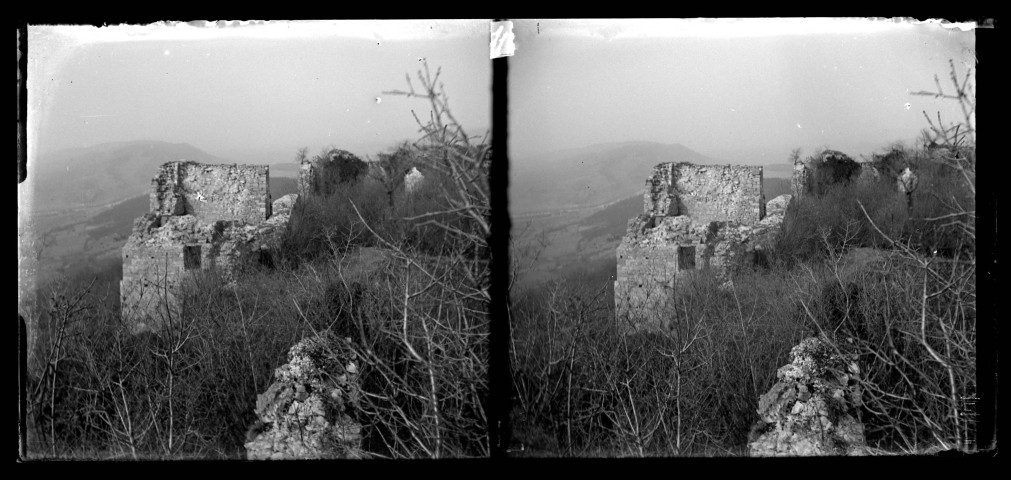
{"x":580,"y":243}
{"x":590,"y":176}
{"x":106,"y":173}
{"x":99,"y":237}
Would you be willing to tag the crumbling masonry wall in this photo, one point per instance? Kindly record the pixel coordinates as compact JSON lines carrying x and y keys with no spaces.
{"x":212,"y":192}
{"x":706,"y":192}
{"x":647,"y":275}
{"x":202,"y":217}
{"x":150,"y":285}
{"x":695,"y":217}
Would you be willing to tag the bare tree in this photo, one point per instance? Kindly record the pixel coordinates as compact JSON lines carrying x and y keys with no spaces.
{"x":922,"y":365}
{"x":439,"y":318}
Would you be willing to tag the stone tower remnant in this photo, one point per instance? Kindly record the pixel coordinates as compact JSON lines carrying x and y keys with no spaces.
{"x":694,"y":217}
{"x":201,"y":217}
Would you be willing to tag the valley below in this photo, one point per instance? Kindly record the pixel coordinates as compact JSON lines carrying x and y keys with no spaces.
{"x":86,"y":237}
{"x":570,"y":229}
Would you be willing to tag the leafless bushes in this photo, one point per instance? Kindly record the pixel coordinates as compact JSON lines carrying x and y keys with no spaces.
{"x":911,"y":315}
{"x":911,"y":321}
{"x":816,"y":225}
{"x":937,"y":328}
{"x":440,"y":302}
{"x":687,"y":386}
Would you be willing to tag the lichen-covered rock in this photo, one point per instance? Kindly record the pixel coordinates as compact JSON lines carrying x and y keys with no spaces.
{"x":308,"y":412}
{"x":907,"y":181}
{"x":813,"y":409}
{"x":413,"y":179}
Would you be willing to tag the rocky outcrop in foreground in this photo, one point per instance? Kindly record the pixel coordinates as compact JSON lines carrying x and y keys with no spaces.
{"x":813,"y":408}
{"x":308,"y":412}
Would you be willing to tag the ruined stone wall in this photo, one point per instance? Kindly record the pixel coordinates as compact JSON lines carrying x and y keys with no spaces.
{"x":306,"y":177}
{"x":212,"y":192}
{"x":151,"y":276}
{"x":800,"y":178}
{"x":706,"y":192}
{"x":647,"y":278}
{"x":202,"y":217}
{"x":155,"y":259}
{"x":695,"y":217}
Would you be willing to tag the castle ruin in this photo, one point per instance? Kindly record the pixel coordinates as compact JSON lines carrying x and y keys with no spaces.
{"x":201,"y":217}
{"x":694,"y":217}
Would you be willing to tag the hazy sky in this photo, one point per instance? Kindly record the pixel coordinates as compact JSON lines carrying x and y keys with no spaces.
{"x":263,"y":90}
{"x":742,"y":91}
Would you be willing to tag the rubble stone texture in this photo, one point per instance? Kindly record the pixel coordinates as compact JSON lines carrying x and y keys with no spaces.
{"x":307,"y":413}
{"x":813,"y":409}
{"x":778,"y":205}
{"x":695,"y":217}
{"x":706,"y":192}
{"x":801,"y":178}
{"x":306,"y":176}
{"x":202,"y":217}
{"x":212,"y":192}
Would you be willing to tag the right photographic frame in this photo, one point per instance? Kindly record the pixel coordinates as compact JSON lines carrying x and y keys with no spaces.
{"x":742,"y":237}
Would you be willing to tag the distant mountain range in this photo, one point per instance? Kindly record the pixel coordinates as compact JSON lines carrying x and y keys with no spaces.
{"x":590,"y":176}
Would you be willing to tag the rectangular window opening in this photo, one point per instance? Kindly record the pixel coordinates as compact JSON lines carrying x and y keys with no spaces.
{"x":191,"y":257}
{"x":686,"y":258}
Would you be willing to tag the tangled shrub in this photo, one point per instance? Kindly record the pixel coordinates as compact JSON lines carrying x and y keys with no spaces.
{"x":334,"y":167}
{"x":585,"y":386}
{"x":316,"y":220}
{"x":917,"y":349}
{"x":817,"y":225}
{"x":830,"y":168}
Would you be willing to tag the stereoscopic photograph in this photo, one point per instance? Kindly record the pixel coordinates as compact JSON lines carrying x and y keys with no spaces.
{"x":283,"y":240}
